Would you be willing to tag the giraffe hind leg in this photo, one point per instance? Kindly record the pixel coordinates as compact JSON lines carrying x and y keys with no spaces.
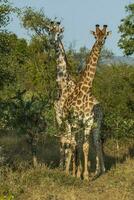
{"x":62,"y":155}
{"x":98,"y":116}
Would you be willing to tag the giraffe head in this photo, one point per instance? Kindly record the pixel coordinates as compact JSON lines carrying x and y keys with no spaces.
{"x":101,"y":34}
{"x":55,"y":30}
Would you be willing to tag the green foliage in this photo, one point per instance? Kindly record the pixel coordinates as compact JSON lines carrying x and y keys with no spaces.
{"x":126,"y":29}
{"x":5,"y":39}
{"x":76,"y":60}
{"x":27,"y":67}
{"x":31,"y":67}
{"x":114,"y":88}
{"x":35,"y":21}
{"x":26,"y":115}
{"x":105,"y":54}
{"x":13,"y":54}
{"x":5,"y":10}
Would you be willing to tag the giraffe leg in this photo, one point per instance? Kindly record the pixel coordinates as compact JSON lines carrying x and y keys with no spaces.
{"x":68,"y":153}
{"x":78,"y":161}
{"x":97,"y":149}
{"x":62,"y":155}
{"x":101,"y":157}
{"x":100,"y":167}
{"x":74,"y":165}
{"x":74,"y":158}
{"x":86,"y":151}
{"x":79,"y":170}
{"x":88,"y":126}
{"x":68,"y":150}
{"x":77,"y":148}
{"x":98,"y":116}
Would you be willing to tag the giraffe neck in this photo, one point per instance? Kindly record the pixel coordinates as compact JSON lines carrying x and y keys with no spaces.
{"x":87,"y":75}
{"x":65,"y":81}
{"x":61,"y":62}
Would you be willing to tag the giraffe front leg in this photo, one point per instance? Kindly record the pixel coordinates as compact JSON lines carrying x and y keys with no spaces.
{"x":74,"y":158}
{"x":88,"y":126}
{"x":78,"y":160}
{"x":68,"y":155}
{"x":96,"y":143}
{"x":68,"y":150}
{"x":74,"y":165}
{"x":86,"y":152}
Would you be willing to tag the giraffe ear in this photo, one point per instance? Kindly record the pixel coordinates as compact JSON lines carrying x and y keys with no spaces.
{"x":92,"y":32}
{"x":109,"y":33}
{"x":62,"y":29}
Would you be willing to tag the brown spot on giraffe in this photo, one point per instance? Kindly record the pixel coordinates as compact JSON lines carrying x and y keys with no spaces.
{"x":96,"y":54}
{"x":93,"y":65}
{"x":80,"y":94}
{"x":79,"y":101}
{"x":86,"y":104}
{"x":75,"y":98}
{"x":90,"y":104}
{"x":92,"y":69}
{"x":84,"y":88}
{"x":87,"y":110}
{"x":76,"y":91}
{"x":91,"y":75}
{"x":94,"y":58}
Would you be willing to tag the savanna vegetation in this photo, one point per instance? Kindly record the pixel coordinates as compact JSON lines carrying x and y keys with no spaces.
{"x":29,"y":148}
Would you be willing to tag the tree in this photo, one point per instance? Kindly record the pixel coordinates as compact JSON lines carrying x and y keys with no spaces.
{"x":114,"y":87}
{"x":106,"y":54}
{"x":25,"y":116}
{"x":35,"y":21}
{"x":7,"y":43}
{"x":126,"y":29}
{"x":5,"y":11}
{"x":13,"y":56}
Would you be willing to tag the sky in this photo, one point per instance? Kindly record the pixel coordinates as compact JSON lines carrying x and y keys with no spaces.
{"x":79,"y":17}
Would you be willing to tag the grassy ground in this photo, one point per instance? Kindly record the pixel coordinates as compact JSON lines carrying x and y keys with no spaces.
{"x":52,"y":184}
{"x":19,"y":181}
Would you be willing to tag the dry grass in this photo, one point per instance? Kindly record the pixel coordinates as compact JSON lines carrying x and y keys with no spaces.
{"x":19,"y":181}
{"x":52,"y":184}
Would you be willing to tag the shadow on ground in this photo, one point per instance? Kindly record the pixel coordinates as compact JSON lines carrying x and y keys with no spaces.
{"x":17,"y":152}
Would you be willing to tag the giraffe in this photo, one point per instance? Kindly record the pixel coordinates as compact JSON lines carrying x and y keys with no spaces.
{"x":79,"y":105}
{"x":66,"y":86}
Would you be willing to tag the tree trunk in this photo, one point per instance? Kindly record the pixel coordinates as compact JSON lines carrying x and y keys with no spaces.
{"x":117,"y":148}
{"x":33,"y":146}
